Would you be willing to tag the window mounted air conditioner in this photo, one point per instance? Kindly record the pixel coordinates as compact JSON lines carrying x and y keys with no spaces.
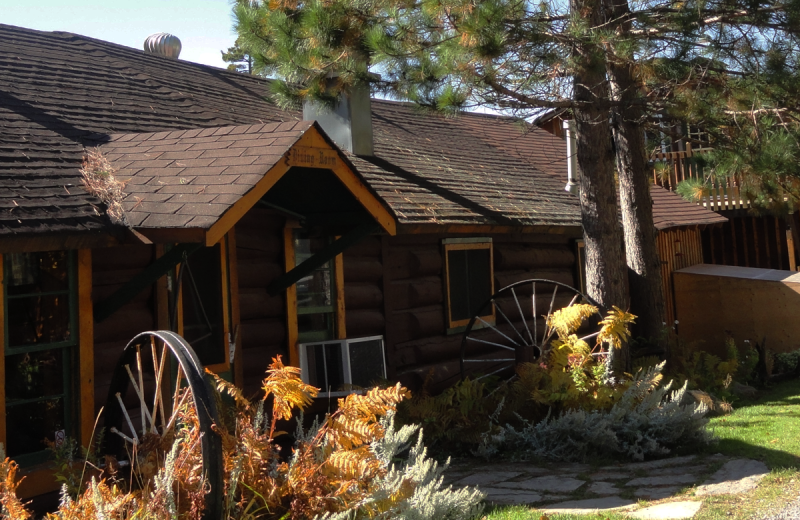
{"x":341,"y":367}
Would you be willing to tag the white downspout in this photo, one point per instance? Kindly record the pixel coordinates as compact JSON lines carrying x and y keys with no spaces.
{"x":572,"y":159}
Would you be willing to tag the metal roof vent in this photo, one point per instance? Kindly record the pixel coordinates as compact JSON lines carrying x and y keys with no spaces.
{"x":163,"y":44}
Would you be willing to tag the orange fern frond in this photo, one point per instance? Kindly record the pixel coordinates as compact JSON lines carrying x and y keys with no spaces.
{"x":10,"y":506}
{"x":289,"y":391}
{"x":230,"y":389}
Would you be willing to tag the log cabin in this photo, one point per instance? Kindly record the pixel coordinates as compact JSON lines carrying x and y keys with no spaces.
{"x":253,"y":232}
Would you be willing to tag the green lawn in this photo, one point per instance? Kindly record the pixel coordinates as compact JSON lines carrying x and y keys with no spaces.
{"x":766,"y":428}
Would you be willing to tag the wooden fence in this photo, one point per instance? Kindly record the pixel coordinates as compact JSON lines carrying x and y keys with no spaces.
{"x":670,"y":168}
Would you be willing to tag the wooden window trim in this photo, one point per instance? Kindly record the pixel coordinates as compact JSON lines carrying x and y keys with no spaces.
{"x":225,"y":366}
{"x":292,"y":329}
{"x":456,"y":244}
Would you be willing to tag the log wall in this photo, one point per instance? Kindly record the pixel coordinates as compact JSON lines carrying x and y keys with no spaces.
{"x":259,"y":251}
{"x":418,"y":349}
{"x":111,"y":268}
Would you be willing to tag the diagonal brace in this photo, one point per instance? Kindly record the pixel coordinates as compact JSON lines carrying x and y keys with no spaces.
{"x":142,"y":280}
{"x":336,"y":247}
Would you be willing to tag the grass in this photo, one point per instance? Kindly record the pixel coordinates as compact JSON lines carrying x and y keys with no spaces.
{"x":766,"y":428}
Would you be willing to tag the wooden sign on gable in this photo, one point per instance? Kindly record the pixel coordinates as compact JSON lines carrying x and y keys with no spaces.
{"x":310,"y":157}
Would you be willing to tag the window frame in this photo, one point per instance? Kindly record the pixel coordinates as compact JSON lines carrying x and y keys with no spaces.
{"x":461,"y":244}
{"x":292,"y":328}
{"x":71,"y":351}
{"x":226,"y":295}
{"x":346,"y":370}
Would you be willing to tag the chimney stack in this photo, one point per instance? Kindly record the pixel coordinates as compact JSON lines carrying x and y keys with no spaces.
{"x":163,"y":44}
{"x":350,"y":122}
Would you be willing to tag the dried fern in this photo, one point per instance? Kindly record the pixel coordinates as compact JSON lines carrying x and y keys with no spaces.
{"x":10,"y":506}
{"x":287,"y":388}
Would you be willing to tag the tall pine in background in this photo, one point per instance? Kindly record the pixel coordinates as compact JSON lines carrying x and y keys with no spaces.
{"x":617,"y":66}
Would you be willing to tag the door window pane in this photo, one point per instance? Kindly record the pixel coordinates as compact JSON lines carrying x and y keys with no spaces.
{"x":34,"y":374}
{"x":28,"y":273}
{"x":38,"y":319}
{"x":315,"y":292}
{"x":28,"y":425}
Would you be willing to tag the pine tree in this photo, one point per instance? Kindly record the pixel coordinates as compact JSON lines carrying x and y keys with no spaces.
{"x":616,"y":66}
{"x":238,"y":59}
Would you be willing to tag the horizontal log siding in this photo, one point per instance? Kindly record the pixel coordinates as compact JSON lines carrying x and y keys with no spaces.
{"x":111,"y":268}
{"x":678,"y":248}
{"x":363,"y":289}
{"x":417,"y":346}
{"x":259,"y":251}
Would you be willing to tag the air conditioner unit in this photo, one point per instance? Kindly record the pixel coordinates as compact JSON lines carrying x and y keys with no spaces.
{"x":339,"y":367}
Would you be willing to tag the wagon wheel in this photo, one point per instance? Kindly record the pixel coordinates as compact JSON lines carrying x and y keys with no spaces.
{"x":519,"y":332}
{"x":144,"y":400}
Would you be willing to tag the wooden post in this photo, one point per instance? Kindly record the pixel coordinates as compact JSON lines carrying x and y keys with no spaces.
{"x":291,"y":295}
{"x":338,"y":269}
{"x":2,"y":353}
{"x":790,"y":250}
{"x":756,"y":245}
{"x":236,"y":328}
{"x":86,"y":346}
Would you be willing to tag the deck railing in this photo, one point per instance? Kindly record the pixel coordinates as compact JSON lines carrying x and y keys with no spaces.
{"x":670,"y":168}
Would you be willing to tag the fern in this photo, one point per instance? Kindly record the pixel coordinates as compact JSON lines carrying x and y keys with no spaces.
{"x":287,"y":388}
{"x":569,"y":319}
{"x":615,"y":330}
{"x":10,"y":506}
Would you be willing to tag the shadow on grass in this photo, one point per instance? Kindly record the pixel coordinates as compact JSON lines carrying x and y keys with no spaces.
{"x":773,"y":458}
{"x":779,"y":394}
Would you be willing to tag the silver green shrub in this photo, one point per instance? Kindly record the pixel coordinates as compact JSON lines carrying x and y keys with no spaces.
{"x":647,"y":421}
{"x":429,"y":500}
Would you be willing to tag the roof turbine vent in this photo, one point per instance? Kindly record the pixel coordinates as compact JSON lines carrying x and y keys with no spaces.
{"x":163,"y":44}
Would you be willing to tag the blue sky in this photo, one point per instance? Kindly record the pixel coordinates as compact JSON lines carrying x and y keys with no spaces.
{"x":203,"y":26}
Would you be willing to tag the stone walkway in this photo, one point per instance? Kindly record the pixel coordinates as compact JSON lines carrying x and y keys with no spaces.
{"x":679,"y":482}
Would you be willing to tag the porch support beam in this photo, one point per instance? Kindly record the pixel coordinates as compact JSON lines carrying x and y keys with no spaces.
{"x":318,"y":259}
{"x":144,"y":279}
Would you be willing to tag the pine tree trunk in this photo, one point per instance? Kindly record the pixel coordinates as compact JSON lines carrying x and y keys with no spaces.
{"x":636,"y":203}
{"x":605,"y":265}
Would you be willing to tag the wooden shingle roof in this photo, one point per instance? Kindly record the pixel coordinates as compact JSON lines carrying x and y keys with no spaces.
{"x":548,"y":153}
{"x":60,"y":92}
{"x":189,"y":178}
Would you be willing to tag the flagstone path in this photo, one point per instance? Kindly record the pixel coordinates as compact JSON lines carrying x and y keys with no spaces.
{"x":581,"y":488}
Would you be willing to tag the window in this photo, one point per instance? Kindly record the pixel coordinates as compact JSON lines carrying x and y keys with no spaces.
{"x":339,"y":367}
{"x":315,"y":304}
{"x":469,"y":280}
{"x":200,"y":311}
{"x":40,"y":324}
{"x":316,"y":293}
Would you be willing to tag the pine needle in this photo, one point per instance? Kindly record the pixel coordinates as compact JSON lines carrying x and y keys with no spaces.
{"x":99,"y":179}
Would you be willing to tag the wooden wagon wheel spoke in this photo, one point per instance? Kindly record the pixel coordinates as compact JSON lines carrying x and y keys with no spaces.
{"x":148,"y":392}
{"x":485,"y":345}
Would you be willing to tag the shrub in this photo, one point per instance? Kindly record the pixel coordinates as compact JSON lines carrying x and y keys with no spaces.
{"x":646,"y":421}
{"x":344,"y":468}
{"x":570,"y":375}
